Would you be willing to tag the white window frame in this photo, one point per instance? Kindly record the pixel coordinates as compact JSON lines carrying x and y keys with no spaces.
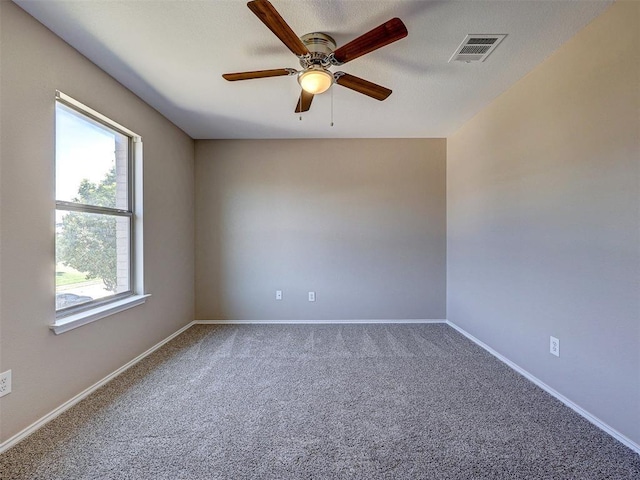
{"x":84,"y":314}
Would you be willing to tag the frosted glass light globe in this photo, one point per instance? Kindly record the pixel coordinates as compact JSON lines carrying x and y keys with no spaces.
{"x":315,"y":81}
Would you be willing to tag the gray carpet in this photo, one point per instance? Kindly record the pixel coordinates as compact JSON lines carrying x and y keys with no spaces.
{"x":320,"y":401}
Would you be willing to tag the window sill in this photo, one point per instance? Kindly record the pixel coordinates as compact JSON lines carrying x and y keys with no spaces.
{"x":74,"y":321}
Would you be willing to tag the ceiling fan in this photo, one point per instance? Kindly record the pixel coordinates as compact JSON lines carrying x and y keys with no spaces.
{"x":317,"y":53}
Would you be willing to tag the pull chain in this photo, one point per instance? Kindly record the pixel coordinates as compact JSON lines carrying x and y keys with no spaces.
{"x":332,"y":107}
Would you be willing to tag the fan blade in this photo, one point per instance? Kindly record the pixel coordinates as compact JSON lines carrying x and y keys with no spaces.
{"x":278,"y":72}
{"x":362,"y":86}
{"x":304,"y":103}
{"x":380,"y":36}
{"x":272,"y":19}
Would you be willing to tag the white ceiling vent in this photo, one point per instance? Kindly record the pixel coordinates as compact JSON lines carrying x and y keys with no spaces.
{"x":476,"y":48}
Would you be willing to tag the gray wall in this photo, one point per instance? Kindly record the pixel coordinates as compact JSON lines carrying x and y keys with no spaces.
{"x":360,"y":222}
{"x":48,"y":369}
{"x":543,"y":213}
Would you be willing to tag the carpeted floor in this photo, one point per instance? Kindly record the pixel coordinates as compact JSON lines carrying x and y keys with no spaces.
{"x":319,"y":402}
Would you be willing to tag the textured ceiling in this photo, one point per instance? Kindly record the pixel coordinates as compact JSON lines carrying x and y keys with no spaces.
{"x":172,"y":54}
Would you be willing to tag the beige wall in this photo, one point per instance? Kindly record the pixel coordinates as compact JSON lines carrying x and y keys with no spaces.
{"x":48,"y":369}
{"x":360,"y":222}
{"x":543,"y":214}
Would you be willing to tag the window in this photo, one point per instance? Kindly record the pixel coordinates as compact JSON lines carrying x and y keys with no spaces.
{"x":98,"y":221}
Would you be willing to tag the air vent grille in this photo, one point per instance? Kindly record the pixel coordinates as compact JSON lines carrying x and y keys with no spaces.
{"x":476,"y":48}
{"x":482,"y":41}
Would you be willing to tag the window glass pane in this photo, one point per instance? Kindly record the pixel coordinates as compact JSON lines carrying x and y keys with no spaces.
{"x":91,"y":161}
{"x":92,"y":257}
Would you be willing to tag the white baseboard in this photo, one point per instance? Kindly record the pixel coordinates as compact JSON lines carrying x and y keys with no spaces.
{"x":573,"y":406}
{"x":7,"y":444}
{"x":317,"y":322}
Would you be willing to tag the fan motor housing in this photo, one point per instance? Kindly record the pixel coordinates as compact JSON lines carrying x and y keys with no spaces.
{"x":320,"y":45}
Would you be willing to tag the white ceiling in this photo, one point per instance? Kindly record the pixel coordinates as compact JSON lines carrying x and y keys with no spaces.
{"x":172,"y":54}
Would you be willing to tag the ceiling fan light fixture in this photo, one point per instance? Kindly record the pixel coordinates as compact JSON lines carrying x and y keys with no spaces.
{"x":315,"y":80}
{"x":317,"y":53}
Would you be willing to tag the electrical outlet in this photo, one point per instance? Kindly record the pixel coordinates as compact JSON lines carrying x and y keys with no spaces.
{"x":278,"y":294}
{"x":312,"y":296}
{"x":554,"y":346}
{"x":5,"y":383}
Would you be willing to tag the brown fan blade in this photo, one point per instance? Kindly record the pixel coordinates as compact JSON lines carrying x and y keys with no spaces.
{"x":362,"y":86}
{"x":272,"y":19}
{"x":278,"y":72}
{"x":304,"y":103}
{"x":385,"y":34}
